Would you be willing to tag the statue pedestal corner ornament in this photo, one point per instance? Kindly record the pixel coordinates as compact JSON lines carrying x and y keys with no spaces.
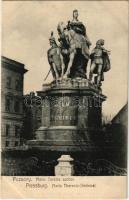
{"x":64,"y":167}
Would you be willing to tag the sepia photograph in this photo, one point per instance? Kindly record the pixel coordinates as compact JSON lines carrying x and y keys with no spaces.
{"x":64,"y":105}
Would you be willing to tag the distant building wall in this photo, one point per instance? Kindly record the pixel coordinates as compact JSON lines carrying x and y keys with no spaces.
{"x":122,"y":116}
{"x":116,"y":136}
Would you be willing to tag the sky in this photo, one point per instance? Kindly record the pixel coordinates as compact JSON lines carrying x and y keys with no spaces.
{"x":26,"y":28}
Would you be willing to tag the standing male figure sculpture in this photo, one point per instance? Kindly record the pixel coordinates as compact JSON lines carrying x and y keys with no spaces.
{"x":100,"y":62}
{"x":55,"y":59}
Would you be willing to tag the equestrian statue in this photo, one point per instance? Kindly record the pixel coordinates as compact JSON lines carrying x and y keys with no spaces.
{"x":69,"y":58}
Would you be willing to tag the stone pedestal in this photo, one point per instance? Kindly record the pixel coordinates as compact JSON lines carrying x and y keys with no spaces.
{"x":64,"y":167}
{"x":71,"y":116}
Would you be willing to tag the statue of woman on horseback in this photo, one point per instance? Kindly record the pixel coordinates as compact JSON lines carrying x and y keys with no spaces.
{"x":74,"y":45}
{"x":69,"y":59}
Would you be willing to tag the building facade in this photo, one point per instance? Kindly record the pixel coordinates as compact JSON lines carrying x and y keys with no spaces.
{"x":11,"y":102}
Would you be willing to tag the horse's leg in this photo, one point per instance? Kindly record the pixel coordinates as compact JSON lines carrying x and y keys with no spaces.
{"x":63,"y":69}
{"x":62,"y":65}
{"x":72,"y":55}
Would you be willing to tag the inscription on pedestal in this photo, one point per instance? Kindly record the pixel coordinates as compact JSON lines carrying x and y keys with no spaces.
{"x":63,"y":111}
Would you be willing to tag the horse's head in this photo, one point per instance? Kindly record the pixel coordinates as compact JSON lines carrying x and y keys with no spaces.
{"x":67,"y":37}
{"x":61,"y":27}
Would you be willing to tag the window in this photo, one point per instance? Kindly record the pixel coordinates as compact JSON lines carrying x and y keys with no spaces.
{"x":18,"y":85}
{"x":17,"y":106}
{"x":8,"y":82}
{"x":17,"y":130}
{"x":7,"y":129}
{"x":16,"y":143}
{"x":7,"y":104}
{"x":7,"y":143}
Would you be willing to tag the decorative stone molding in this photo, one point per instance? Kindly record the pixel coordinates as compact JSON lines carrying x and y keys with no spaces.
{"x":64,"y":167}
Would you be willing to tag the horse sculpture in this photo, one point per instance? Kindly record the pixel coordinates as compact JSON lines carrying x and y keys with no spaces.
{"x":75,"y":52}
{"x":70,"y":57}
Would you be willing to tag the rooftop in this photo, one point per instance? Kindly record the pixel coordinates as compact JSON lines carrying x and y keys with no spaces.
{"x":13,"y":65}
